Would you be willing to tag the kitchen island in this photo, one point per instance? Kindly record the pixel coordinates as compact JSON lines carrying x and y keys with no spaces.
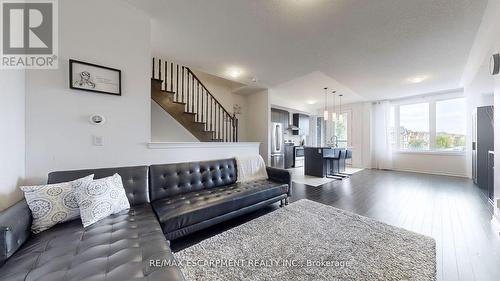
{"x":320,"y":161}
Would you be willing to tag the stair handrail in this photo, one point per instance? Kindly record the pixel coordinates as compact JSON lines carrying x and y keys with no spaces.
{"x":206,"y":89}
{"x":224,"y":129}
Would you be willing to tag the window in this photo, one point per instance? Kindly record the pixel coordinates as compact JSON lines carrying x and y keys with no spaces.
{"x":450,"y":125}
{"x":414,"y":126}
{"x":341,"y":129}
{"x":319,"y":131}
{"x":434,"y":125}
{"x":392,"y":127}
{"x":337,"y":131}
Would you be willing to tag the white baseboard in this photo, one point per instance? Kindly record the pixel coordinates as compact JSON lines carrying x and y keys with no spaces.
{"x":431,"y":173}
{"x":180,"y":145}
{"x":495,"y":221}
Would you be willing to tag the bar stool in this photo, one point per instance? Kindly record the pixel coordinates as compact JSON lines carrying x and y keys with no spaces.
{"x":342,"y":158}
{"x":332,"y":167}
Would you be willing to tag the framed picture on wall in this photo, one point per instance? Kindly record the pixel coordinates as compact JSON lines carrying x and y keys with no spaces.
{"x":94,"y":78}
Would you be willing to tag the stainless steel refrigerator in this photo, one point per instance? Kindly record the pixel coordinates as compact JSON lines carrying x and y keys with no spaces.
{"x":277,"y":146}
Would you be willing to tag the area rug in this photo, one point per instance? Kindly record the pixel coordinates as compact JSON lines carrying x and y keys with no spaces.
{"x":299,"y":177}
{"x":312,"y":181}
{"x":311,"y":241}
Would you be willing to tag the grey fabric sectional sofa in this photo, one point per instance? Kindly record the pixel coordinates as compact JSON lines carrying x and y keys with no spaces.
{"x":167,"y":202}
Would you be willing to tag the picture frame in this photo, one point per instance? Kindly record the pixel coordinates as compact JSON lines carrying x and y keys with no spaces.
{"x":94,"y":78}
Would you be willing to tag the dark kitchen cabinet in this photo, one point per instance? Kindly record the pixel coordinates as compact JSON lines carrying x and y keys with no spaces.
{"x":280,"y":116}
{"x":289,"y":148}
{"x":302,"y":121}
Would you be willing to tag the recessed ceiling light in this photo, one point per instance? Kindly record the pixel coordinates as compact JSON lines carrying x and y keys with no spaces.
{"x":311,"y":102}
{"x":417,"y":79}
{"x":234,"y":72}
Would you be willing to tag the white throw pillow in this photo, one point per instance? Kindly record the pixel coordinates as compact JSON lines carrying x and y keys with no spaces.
{"x":100,"y":198}
{"x":251,"y":168}
{"x":51,"y":204}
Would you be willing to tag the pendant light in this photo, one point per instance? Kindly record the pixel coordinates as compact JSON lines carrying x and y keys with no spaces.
{"x":341,"y":116}
{"x":334,"y":114}
{"x":325,"y":113}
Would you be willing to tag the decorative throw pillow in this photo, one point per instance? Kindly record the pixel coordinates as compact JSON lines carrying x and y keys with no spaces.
{"x":100,"y":198}
{"x":51,"y":204}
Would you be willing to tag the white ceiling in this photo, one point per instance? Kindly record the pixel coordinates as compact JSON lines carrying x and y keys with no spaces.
{"x":370,"y":47}
{"x":304,"y":94}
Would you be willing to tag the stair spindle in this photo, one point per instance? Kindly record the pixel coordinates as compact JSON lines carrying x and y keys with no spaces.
{"x":159,"y":69}
{"x":165,"y":78}
{"x":187,"y":102}
{"x":220,"y":122}
{"x":171,"y":76}
{"x":153,"y":68}
{"x":192,"y":93}
{"x":235,"y":126}
{"x":177,"y":83}
{"x":206,"y":109}
{"x":198,"y":101}
{"x":211,"y":114}
{"x":202,"y":107}
{"x":182,"y":86}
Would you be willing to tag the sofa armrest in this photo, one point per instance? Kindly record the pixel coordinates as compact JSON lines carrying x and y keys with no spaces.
{"x":281,"y":176}
{"x":15,"y":224}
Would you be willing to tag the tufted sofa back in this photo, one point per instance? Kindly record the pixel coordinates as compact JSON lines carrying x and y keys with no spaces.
{"x":171,"y":179}
{"x":135,"y":180}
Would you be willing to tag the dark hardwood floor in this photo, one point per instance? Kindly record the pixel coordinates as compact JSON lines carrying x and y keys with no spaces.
{"x":451,"y":210}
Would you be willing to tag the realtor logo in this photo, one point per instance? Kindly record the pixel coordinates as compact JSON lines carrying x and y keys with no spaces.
{"x":29,"y":34}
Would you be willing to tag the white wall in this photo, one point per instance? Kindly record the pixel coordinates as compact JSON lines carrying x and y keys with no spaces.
{"x":223,"y":90}
{"x":431,"y":163}
{"x":12,"y":135}
{"x":479,"y":92}
{"x":476,"y":79}
{"x":164,"y":128}
{"x":497,"y":142}
{"x":259,"y":121}
{"x":59,"y":136}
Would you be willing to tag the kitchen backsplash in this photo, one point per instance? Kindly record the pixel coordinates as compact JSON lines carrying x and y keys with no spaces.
{"x":295,"y":139}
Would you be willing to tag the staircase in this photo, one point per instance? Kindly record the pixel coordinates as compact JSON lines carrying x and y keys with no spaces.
{"x":177,"y":90}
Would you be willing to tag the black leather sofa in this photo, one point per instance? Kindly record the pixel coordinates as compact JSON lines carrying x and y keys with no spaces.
{"x":183,"y":197}
{"x":187,"y":197}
